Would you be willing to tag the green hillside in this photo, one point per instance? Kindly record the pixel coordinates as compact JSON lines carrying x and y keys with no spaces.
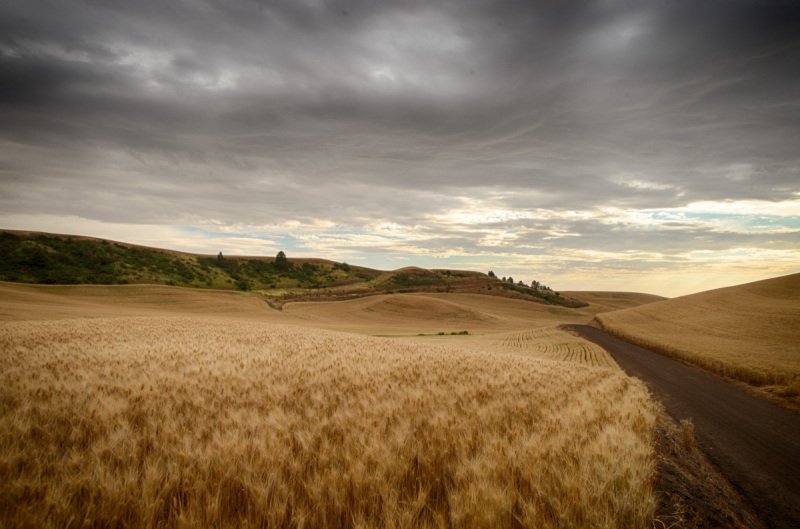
{"x":54,"y":259}
{"x":30,"y":257}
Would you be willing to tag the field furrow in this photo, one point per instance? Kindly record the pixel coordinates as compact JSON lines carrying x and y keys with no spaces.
{"x":555,"y":344}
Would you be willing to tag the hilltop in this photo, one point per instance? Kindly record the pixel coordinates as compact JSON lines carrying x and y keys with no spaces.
{"x":46,"y":258}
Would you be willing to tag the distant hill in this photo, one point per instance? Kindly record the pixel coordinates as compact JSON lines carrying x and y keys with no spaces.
{"x":600,"y":301}
{"x":749,"y":332}
{"x":45,"y":258}
{"x":30,"y":257}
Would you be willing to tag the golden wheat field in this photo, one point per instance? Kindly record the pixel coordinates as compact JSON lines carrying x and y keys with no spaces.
{"x":206,"y":422}
{"x":399,"y":314}
{"x":556,"y":344}
{"x":42,"y":302}
{"x":749,"y":332}
{"x":410,"y":314}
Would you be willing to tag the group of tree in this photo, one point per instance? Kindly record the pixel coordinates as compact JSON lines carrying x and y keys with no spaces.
{"x":538,"y":286}
{"x":534,"y":284}
{"x":281,"y":261}
{"x":244,"y":272}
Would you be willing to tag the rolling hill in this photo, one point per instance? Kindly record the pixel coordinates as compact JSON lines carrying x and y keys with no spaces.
{"x":54,"y":302}
{"x":381,"y":314}
{"x":43,"y":258}
{"x":749,"y":332}
{"x":607,"y":301}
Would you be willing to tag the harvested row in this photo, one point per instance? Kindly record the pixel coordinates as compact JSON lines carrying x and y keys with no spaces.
{"x":190,"y":422}
{"x":555,"y":344}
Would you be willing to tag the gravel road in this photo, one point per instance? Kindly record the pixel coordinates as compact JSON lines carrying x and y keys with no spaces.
{"x":754,"y":443}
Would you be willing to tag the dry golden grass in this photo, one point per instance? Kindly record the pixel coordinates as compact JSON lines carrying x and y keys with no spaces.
{"x":556,"y":344}
{"x":201,"y":422}
{"x":385,"y":314}
{"x":39,"y":302}
{"x":748,"y":332}
{"x":429,"y":312}
{"x":408,"y":314}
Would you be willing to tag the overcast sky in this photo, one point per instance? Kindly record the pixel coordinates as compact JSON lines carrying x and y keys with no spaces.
{"x":626,"y":145}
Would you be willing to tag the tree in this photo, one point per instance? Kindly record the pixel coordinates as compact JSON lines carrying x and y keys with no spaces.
{"x":491,"y":274}
{"x":539,"y":286}
{"x":281,"y":262}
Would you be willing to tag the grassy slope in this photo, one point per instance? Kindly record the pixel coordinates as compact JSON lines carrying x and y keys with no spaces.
{"x":394,"y":314}
{"x":410,"y":314}
{"x":59,"y":259}
{"x":51,"y":302}
{"x":28,"y":257}
{"x":748,"y":332}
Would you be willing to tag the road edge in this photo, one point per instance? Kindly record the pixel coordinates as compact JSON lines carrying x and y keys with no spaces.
{"x":691,"y":493}
{"x":790,"y":403}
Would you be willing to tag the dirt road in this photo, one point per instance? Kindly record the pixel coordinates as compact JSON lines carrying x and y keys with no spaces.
{"x":754,"y":443}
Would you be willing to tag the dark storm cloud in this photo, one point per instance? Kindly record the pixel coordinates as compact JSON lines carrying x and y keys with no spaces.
{"x":355,"y":111}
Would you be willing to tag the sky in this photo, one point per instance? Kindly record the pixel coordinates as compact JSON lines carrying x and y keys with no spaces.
{"x":648,"y":146}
